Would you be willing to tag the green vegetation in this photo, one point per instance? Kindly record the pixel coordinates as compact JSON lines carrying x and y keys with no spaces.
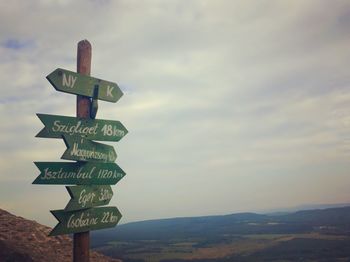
{"x":314,"y":235}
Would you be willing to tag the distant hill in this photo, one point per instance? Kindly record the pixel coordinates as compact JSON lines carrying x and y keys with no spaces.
{"x":303,"y":207}
{"x":216,"y":226}
{"x":176,"y":227}
{"x":23,"y":240}
{"x":308,"y":235}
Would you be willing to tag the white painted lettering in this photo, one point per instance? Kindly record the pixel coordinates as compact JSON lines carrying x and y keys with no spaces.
{"x":82,"y":221}
{"x":109,"y":90}
{"x":70,"y":81}
{"x":86,"y":198}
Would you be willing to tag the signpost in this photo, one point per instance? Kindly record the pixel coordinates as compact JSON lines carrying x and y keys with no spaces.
{"x":94,"y":129}
{"x":85,"y":220}
{"x":95,"y":170}
{"x":82,"y":149}
{"x":78,"y":173}
{"x":88,"y":196}
{"x":79,"y":84}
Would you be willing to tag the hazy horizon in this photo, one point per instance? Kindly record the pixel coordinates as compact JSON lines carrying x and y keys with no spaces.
{"x":231,"y":106}
{"x":266,"y":212}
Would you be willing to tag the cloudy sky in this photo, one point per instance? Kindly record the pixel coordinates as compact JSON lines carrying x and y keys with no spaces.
{"x":230,"y":105}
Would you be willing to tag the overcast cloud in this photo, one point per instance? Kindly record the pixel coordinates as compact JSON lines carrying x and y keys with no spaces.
{"x":230,"y":105}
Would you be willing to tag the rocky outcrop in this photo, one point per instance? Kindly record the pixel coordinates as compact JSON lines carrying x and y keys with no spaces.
{"x":26,"y":240}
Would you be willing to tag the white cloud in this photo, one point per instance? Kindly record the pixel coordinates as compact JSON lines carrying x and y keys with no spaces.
{"x":227,"y":97}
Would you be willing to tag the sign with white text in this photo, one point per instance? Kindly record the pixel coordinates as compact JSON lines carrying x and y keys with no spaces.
{"x":93,"y":129}
{"x":81,"y":149}
{"x":78,"y":173}
{"x":88,"y":196}
{"x":92,"y":170}
{"x":85,"y":220}
{"x":74,"y":83}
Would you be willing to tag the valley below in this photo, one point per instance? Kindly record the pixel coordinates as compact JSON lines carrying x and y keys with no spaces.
{"x":311,"y":235}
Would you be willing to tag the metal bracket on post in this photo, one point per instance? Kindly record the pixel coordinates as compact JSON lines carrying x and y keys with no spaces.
{"x":94,"y":104}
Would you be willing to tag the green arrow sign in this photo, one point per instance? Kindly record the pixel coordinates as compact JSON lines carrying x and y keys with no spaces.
{"x":97,"y":129}
{"x":85,"y":220}
{"x":88,"y":196}
{"x":74,"y":83}
{"x":81,"y":149}
{"x":78,"y":173}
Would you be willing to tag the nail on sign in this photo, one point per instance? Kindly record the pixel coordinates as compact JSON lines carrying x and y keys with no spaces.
{"x":75,"y":83}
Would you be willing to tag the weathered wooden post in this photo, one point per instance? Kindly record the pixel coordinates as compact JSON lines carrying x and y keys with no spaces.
{"x":81,"y":241}
{"x":94,"y":170}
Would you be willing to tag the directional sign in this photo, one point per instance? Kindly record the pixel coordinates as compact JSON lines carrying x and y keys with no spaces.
{"x":81,"y":149}
{"x":85,"y":220}
{"x":97,"y":129}
{"x":78,"y":173}
{"x":74,"y":83}
{"x":88,"y":196}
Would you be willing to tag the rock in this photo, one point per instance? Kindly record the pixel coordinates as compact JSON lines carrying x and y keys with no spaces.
{"x":26,"y":241}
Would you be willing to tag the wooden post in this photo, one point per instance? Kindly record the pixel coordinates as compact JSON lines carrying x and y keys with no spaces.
{"x":81,"y":241}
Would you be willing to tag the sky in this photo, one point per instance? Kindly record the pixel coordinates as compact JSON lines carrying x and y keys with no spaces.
{"x":231,"y":106}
